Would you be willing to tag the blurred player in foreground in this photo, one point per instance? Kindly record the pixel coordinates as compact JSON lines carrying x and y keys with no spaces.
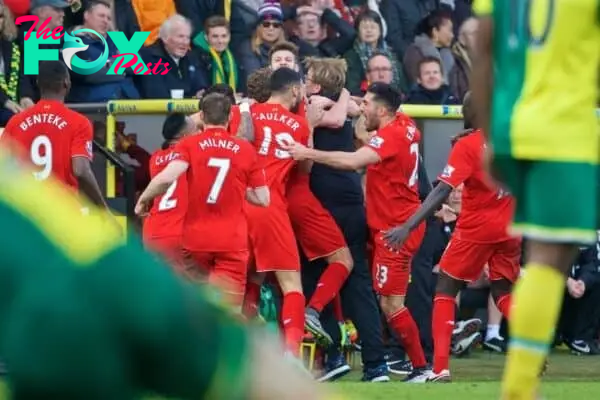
{"x":54,"y":139}
{"x":88,"y":315}
{"x":392,"y":160}
{"x":535,"y":81}
{"x":222,"y":172}
{"x":163,"y":226}
{"x":480,"y":238}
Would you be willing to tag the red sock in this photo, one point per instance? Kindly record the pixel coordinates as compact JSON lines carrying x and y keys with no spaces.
{"x":405,"y":327}
{"x":292,"y":317}
{"x":337,"y":309}
{"x":442,"y":326}
{"x":503,"y":304}
{"x":251,"y":299}
{"x":329,"y":285}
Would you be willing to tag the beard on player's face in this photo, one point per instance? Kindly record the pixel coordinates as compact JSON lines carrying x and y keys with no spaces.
{"x":371,"y":121}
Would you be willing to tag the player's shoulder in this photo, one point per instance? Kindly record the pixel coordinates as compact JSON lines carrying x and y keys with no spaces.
{"x":82,"y":238}
{"x":484,"y":7}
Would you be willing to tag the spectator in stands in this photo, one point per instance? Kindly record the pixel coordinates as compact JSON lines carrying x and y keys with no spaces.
{"x":184,"y":78}
{"x":215,"y":56}
{"x":100,"y":87}
{"x":311,"y":27}
{"x":460,"y":10}
{"x":151,"y":14}
{"x":54,"y":10}
{"x":580,"y":318}
{"x":402,"y":17}
{"x":268,"y":33}
{"x":460,"y":73}
{"x":434,"y":39}
{"x":369,"y":41}
{"x":431,"y":88}
{"x":14,"y":86}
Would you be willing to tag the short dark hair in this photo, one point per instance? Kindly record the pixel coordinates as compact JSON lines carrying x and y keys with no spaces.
{"x":434,"y":19}
{"x":468,"y":111}
{"x":281,"y":46}
{"x":222,"y":88}
{"x":386,"y":95}
{"x":172,"y":127}
{"x":282,"y":79}
{"x":258,"y":84}
{"x":377,"y":53}
{"x":214,"y":22}
{"x":215,"y":108}
{"x":51,"y":76}
{"x":429,"y":60}
{"x":88,"y":5}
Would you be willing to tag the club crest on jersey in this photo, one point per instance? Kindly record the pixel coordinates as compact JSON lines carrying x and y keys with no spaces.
{"x":89,"y":147}
{"x":447,"y":172}
{"x":376,"y":141}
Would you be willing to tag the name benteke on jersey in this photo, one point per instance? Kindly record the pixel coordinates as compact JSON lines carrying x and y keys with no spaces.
{"x":46,"y":118}
{"x":276,"y":117}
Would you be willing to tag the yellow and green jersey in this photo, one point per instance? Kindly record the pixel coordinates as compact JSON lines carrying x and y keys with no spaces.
{"x":546,"y":57}
{"x":85,"y":313}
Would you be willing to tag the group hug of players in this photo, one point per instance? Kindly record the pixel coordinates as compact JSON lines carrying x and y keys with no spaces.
{"x":223,"y":202}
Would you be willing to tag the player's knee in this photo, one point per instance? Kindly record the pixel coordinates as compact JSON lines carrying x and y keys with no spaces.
{"x":391,"y":304}
{"x":343,"y":256}
{"x":447,"y":285}
{"x":500,"y":287}
{"x":557,"y":255}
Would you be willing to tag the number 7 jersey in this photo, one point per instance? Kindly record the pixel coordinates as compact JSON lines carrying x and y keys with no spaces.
{"x":392,"y":194}
{"x":274,"y":127}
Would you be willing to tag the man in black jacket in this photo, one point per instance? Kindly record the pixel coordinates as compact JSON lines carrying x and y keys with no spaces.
{"x":580,"y":318}
{"x":431,"y":88}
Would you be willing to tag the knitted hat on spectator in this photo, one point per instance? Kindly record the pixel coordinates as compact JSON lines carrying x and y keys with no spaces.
{"x":270,"y":10}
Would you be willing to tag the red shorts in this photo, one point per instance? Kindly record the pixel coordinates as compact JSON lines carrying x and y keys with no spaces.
{"x":226,"y":269}
{"x":465,"y":261}
{"x":315,"y":229}
{"x":391,"y":269}
{"x":168,"y":246}
{"x":272,"y":239}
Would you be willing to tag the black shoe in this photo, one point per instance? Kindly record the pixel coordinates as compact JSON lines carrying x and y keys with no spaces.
{"x":376,"y":374}
{"x":583,"y":347}
{"x":495,"y":344}
{"x":419,"y":375}
{"x":401,"y":368}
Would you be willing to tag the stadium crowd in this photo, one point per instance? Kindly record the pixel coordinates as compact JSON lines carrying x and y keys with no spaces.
{"x":341,"y":49}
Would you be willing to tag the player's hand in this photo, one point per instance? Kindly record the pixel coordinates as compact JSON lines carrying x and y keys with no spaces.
{"x":575,"y":288}
{"x":446,"y":214}
{"x":298,"y":151}
{"x":142,"y":208}
{"x":26,"y":102}
{"x":396,"y":237}
{"x":12,"y":106}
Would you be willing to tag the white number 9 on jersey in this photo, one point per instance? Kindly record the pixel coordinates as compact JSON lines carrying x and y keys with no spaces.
{"x":281,"y":139}
{"x":41,"y":156}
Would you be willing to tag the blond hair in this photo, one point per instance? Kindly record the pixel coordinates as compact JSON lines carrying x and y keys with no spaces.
{"x":8,"y":28}
{"x":329,"y":73}
{"x":257,"y":41}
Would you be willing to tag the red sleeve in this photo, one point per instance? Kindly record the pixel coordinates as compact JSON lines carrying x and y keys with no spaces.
{"x":256,"y":174}
{"x":235,"y":120}
{"x":384,"y":145}
{"x":81,"y":143}
{"x":460,"y":165}
{"x":183,"y":151}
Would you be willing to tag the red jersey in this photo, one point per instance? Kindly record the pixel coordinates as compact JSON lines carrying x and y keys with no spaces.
{"x":235,"y":119}
{"x":168,"y":211}
{"x":275,"y":126}
{"x":49,"y":135}
{"x":486,"y":210}
{"x":221,"y":167}
{"x":392,"y":184}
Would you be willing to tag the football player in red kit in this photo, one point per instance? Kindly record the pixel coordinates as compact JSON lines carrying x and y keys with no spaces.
{"x":54,"y":139}
{"x":222,"y":172}
{"x":271,"y":235}
{"x":480,"y":237}
{"x":392,"y":159}
{"x":164,"y":224}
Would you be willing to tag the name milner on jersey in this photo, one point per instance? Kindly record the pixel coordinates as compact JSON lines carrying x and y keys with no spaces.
{"x":276,"y":117}
{"x":45,"y":118}
{"x":219,"y":143}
